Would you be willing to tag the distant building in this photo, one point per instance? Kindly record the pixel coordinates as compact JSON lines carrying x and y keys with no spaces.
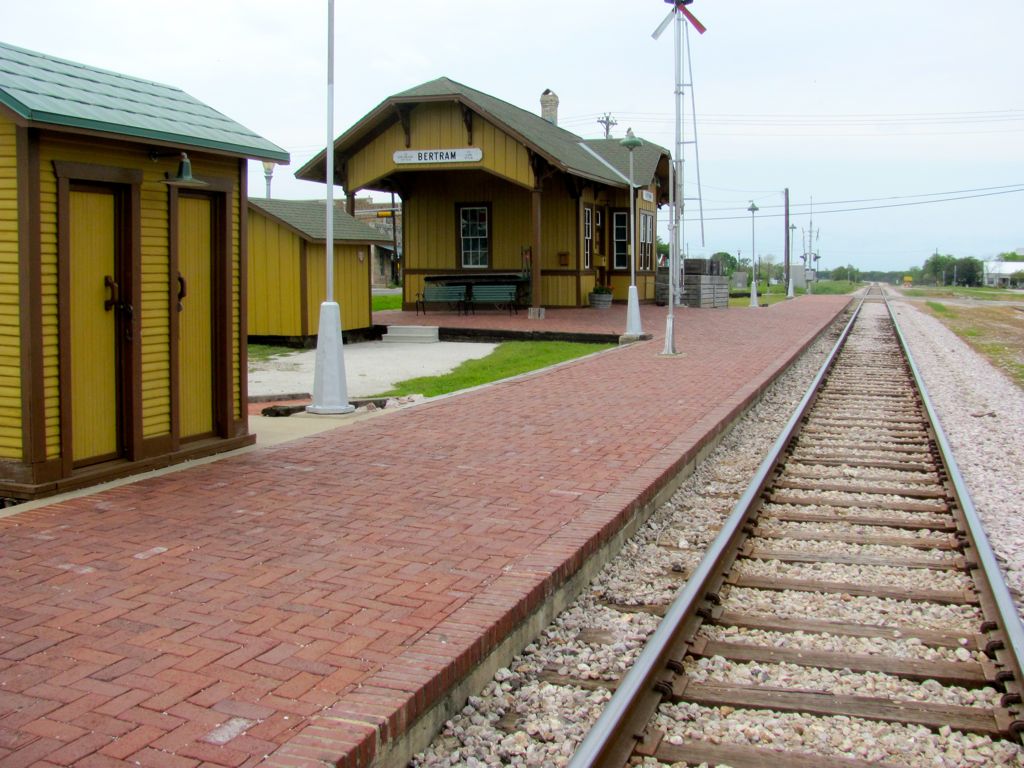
{"x":287,"y":271}
{"x":998,"y":274}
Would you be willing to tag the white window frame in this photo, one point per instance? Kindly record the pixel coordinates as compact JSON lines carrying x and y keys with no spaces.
{"x":588,"y":236}
{"x":477,"y":247}
{"x":620,"y":246}
{"x":646,"y":240}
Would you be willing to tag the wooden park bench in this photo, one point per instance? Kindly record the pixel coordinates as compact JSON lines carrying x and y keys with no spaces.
{"x":453,"y":295}
{"x":498,"y":295}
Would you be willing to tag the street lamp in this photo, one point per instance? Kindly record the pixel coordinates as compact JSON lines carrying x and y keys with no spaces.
{"x":790,"y":293}
{"x":753,"y":258}
{"x":633,"y":328}
{"x":330,"y":389}
{"x":268,"y":173}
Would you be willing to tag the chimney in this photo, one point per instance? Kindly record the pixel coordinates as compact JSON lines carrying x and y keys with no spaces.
{"x":549,"y":106}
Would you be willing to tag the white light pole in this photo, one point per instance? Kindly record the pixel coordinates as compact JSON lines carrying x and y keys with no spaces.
{"x":790,"y":293}
{"x":633,"y":326}
{"x":753,"y":256}
{"x":268,"y":174}
{"x":330,"y":390}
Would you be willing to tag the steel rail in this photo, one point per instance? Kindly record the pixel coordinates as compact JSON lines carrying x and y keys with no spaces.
{"x":610,"y":741}
{"x":1008,"y":619}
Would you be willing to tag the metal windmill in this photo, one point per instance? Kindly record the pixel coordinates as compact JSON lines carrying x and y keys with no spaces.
{"x":678,"y":13}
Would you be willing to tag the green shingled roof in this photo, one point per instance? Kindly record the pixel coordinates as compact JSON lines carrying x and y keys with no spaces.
{"x":310,"y":218}
{"x":560,"y":147}
{"x":645,"y":158}
{"x":50,"y":91}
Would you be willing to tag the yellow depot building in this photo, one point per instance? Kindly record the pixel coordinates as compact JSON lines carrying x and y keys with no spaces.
{"x":287,"y":272}
{"x":122,"y":275}
{"x":494,"y":193}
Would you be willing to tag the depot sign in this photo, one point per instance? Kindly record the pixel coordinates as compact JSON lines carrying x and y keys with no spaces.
{"x":427,"y":156}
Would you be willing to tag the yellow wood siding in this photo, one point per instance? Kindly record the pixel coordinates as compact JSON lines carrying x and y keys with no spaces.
{"x":275,"y":296}
{"x":10,"y":325}
{"x":155,"y":279}
{"x":440,"y":126}
{"x":430,"y":222}
{"x":351,"y":285}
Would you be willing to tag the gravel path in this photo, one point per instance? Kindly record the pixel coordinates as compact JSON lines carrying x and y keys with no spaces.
{"x":982,"y":413}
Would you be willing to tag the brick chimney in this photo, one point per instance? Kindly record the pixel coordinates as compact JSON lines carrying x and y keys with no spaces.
{"x":549,"y":106}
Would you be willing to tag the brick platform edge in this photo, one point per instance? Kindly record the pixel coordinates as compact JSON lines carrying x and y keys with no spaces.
{"x":366,"y":728}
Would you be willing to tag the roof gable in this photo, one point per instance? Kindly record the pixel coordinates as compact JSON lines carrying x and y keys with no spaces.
{"x":563,"y":149}
{"x":50,"y":91}
{"x":309,"y":217}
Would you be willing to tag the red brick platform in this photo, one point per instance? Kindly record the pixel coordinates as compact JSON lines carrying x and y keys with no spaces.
{"x":304,"y":604}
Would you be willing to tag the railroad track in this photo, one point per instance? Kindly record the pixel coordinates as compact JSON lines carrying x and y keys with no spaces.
{"x":851,"y":598}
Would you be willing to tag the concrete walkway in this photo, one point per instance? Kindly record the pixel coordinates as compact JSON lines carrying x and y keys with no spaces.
{"x":304,"y":604}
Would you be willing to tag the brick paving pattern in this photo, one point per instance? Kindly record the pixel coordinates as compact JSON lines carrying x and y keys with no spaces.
{"x":306,"y":602}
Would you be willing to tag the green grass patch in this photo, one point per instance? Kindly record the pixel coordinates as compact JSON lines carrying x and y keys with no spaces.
{"x":267,"y":351}
{"x":940,"y":309}
{"x":835,"y":287}
{"x":508,"y":359}
{"x":971,"y":333}
{"x":951,"y":292}
{"x":382,"y":301}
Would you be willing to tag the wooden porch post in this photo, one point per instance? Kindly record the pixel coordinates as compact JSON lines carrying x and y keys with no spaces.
{"x":536,"y":310}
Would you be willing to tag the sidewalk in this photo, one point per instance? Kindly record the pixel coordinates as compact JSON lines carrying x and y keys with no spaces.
{"x":309,"y":601}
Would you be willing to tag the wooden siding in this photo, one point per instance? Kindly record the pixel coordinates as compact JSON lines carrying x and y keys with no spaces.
{"x":440,"y":126}
{"x":155,"y":279}
{"x":430,"y":236}
{"x":10,"y":304}
{"x":275,"y":291}
{"x":351,"y":285}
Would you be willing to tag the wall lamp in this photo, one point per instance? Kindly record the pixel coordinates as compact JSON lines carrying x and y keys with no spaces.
{"x":183,"y":177}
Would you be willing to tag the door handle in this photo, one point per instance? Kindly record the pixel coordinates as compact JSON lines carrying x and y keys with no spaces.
{"x":182,"y":290}
{"x":115,"y":293}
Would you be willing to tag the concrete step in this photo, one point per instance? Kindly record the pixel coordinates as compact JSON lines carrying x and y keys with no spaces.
{"x":411,"y":334}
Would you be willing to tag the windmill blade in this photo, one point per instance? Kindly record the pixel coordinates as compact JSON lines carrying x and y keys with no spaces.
{"x":692,"y":19}
{"x":681,"y":6}
{"x":664,"y":24}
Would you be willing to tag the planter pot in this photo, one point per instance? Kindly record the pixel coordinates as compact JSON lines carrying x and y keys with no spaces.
{"x":600,"y":300}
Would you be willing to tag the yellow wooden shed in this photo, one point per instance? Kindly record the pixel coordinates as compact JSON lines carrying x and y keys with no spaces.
{"x":122,"y":275}
{"x":287,"y":272}
{"x":491,"y":191}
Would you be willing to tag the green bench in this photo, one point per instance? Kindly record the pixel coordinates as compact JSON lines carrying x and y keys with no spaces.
{"x":498,"y":295}
{"x":453,"y":295}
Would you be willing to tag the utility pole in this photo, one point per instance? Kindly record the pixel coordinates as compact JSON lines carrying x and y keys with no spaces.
{"x":607,"y":121}
{"x":785,"y":234}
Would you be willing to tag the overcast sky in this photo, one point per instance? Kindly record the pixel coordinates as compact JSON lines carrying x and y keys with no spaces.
{"x":882,"y":104}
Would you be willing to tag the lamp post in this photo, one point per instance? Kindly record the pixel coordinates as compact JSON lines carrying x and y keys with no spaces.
{"x":753,"y":257}
{"x":268,"y":174}
{"x":790,"y":293}
{"x":633,"y":327}
{"x":330,"y":390}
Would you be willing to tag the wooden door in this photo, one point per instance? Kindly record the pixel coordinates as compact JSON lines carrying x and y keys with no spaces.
{"x":195,"y":333}
{"x":96,"y":301}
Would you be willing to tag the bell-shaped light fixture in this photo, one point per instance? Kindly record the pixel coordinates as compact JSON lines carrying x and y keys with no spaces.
{"x":184,"y":177}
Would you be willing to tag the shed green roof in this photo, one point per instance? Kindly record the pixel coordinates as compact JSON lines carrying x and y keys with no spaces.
{"x":560,"y":147}
{"x":51,"y":91}
{"x":310,"y":218}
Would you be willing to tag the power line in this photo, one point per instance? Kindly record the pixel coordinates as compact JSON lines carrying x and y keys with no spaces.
{"x":875,"y":207}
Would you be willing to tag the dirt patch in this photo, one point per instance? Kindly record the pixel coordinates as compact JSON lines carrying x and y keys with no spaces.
{"x":996,"y":332}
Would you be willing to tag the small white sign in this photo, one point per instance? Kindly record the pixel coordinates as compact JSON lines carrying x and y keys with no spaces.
{"x":648,"y":196}
{"x":426,"y":156}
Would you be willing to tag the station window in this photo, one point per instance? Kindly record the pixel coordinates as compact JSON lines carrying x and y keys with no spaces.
{"x":598,"y":232}
{"x":646,"y":241}
{"x":474,"y":236}
{"x":588,"y":236}
{"x":620,"y":239}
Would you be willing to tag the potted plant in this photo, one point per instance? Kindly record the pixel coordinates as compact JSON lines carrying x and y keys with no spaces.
{"x":601,"y":297}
